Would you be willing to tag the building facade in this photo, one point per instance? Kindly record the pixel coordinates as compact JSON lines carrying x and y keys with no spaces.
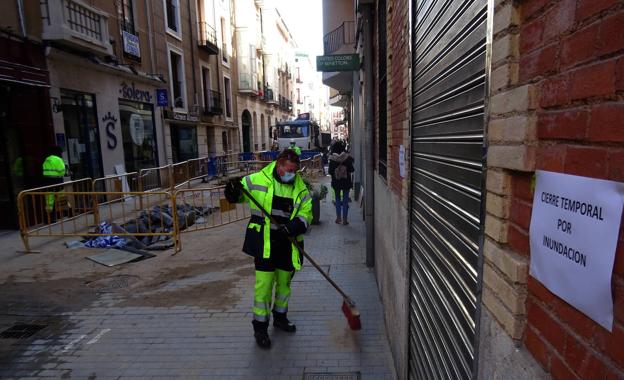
{"x":457,"y":105}
{"x":265,"y":52}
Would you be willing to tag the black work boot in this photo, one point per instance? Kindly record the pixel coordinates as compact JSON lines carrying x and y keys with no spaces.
{"x":281,"y":322}
{"x":261,"y":334}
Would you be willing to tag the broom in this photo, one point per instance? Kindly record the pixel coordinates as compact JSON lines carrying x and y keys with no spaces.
{"x":348,"y":305}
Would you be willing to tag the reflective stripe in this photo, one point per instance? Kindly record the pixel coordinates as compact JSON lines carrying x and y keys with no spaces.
{"x":261,"y":305}
{"x":279,"y":297}
{"x":260,"y":318}
{"x":302,"y":219}
{"x":251,"y":186}
{"x":281,"y":213}
{"x":280,"y":309}
{"x":255,"y":212}
{"x":306,"y":198}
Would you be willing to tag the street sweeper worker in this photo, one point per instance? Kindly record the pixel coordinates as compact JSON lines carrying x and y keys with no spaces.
{"x":293,"y":146}
{"x":281,"y":191}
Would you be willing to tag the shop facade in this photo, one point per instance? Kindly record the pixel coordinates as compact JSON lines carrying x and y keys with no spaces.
{"x":105,"y":117}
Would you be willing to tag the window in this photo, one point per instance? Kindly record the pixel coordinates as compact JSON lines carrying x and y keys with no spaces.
{"x":205,"y":78}
{"x":172,"y":16}
{"x":178,"y":84}
{"x":299,"y":96}
{"x":383,"y":83}
{"x":127,"y":13}
{"x":138,"y":134}
{"x":224,"y":38}
{"x":227,"y":87}
{"x":293,"y":131}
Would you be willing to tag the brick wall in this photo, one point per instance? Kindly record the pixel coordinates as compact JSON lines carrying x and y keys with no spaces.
{"x":573,"y":52}
{"x":564,"y":62}
{"x":398,"y":104}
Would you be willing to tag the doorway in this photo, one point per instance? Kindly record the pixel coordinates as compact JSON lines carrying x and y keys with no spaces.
{"x":81,"y":134}
{"x":246,"y":123}
{"x":183,"y":142}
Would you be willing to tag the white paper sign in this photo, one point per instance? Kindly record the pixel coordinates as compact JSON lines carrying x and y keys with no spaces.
{"x":402,"y":161}
{"x":573,"y":235}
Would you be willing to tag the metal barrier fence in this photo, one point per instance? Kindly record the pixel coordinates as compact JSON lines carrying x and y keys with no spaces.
{"x":71,"y":208}
{"x":217,"y":210}
{"x":146,"y":220}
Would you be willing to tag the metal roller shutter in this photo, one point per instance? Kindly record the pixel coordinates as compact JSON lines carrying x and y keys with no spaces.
{"x":448,"y":73}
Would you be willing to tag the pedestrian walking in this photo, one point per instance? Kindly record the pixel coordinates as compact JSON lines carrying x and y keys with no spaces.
{"x":281,"y":190}
{"x":54,"y":169}
{"x":340,"y":169}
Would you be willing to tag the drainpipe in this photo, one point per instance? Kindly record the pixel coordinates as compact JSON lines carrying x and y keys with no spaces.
{"x":150,"y":31}
{"x":22,"y":19}
{"x":369,"y":191}
{"x":192,"y":52}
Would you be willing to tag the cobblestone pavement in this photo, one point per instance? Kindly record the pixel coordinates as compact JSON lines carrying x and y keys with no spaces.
{"x":188,"y":316}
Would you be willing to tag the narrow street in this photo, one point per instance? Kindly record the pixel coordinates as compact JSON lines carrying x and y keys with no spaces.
{"x":188,"y":316}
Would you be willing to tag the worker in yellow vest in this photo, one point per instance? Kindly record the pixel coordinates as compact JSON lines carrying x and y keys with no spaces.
{"x":281,"y":190}
{"x":54,"y":169}
{"x":293,"y":146}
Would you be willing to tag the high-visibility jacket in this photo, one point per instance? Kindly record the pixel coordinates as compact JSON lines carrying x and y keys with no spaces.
{"x":296,"y":149}
{"x":264,"y":187}
{"x":54,"y":167}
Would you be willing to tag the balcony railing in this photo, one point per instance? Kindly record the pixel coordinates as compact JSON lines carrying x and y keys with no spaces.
{"x":269,"y":96}
{"x":208,"y":38}
{"x":76,"y":23}
{"x":247,"y":82}
{"x":213,"y":105}
{"x":344,"y":35}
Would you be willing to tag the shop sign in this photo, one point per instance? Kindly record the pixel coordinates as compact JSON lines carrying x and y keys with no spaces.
{"x":132,"y":93}
{"x":184,"y":117}
{"x":137,"y":129}
{"x":111,"y":122}
{"x":131,"y":44}
{"x":162,"y":97}
{"x":338,"y":62}
{"x":573,"y":237}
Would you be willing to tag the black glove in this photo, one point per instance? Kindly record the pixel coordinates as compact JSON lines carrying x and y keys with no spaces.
{"x":285,"y":230}
{"x":233,"y":190}
{"x":293,"y":228}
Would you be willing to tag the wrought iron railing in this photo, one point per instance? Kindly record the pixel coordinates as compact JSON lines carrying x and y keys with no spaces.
{"x":339,"y":37}
{"x":207,"y":35}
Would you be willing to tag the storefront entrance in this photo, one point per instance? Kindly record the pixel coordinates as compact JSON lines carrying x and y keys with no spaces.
{"x":139,"y":135}
{"x":183,"y":142}
{"x":82,"y":137}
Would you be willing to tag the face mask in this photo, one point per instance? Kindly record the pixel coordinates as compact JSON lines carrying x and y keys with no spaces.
{"x":287,"y":177}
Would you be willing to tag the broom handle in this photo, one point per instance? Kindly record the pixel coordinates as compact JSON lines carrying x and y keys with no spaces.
{"x":251,"y":198}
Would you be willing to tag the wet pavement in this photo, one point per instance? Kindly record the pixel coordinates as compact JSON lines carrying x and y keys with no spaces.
{"x":188,"y":316}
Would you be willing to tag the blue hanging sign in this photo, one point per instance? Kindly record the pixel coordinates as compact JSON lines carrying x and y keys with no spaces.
{"x":162,"y":97}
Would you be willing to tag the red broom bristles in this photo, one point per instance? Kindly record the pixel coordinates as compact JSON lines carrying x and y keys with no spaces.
{"x":352,"y":314}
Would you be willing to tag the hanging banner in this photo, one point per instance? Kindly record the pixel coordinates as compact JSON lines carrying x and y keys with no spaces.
{"x":573,"y":236}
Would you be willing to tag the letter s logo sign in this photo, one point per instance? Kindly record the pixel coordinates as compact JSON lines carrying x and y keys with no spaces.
{"x":112,"y":139}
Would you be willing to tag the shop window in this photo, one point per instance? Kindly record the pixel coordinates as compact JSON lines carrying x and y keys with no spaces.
{"x":81,"y":134}
{"x":178,"y":84}
{"x":139,"y":135}
{"x":172,"y":16}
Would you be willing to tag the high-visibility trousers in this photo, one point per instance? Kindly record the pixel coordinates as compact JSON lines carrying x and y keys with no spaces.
{"x":263,"y":294}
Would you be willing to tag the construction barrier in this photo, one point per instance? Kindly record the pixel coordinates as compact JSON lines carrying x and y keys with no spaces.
{"x":66,"y":220}
{"x":74,"y":207}
{"x":218,"y":211}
